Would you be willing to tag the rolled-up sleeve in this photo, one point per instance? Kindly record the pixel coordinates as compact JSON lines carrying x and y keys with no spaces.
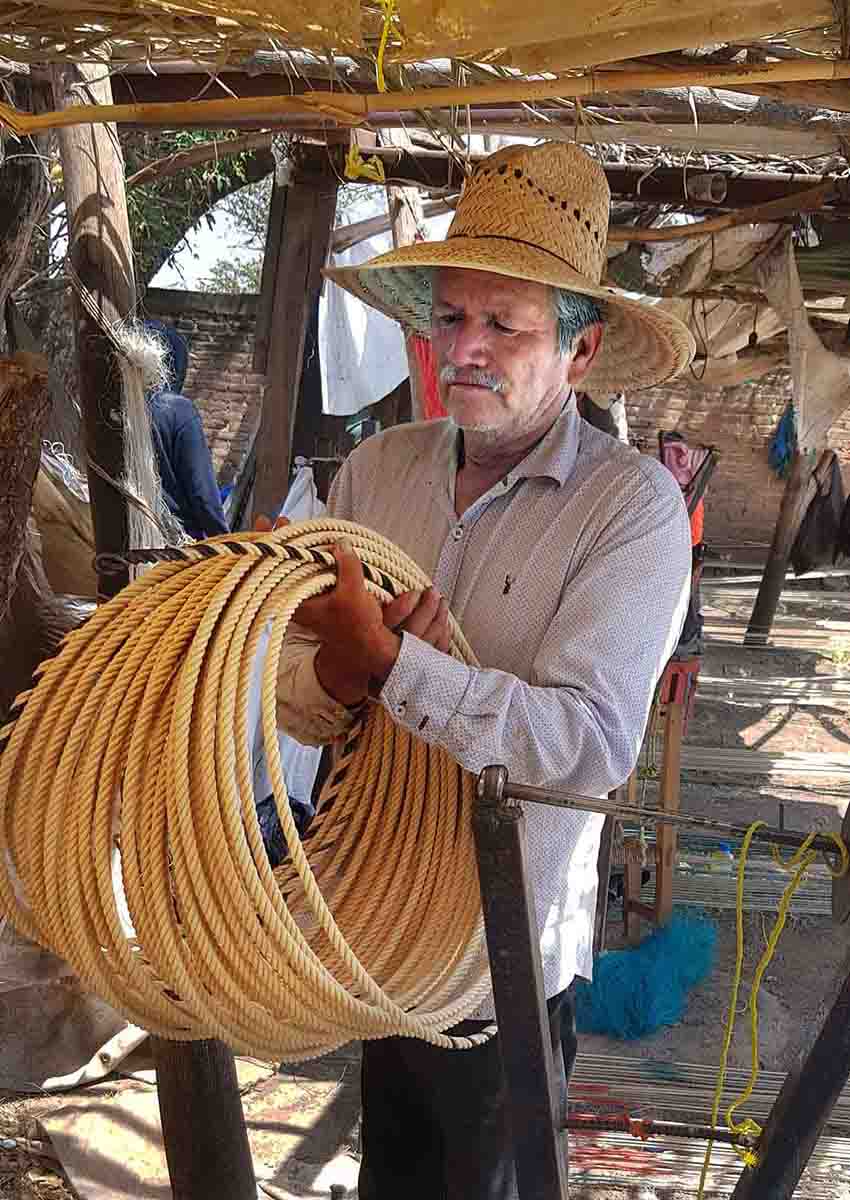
{"x":580,"y":718}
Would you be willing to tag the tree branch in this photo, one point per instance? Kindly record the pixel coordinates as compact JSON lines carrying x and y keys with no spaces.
{"x":184,"y":160}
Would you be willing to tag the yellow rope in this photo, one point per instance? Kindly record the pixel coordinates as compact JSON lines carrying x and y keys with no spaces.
{"x":799,"y":863}
{"x":130,"y":758}
{"x":358,"y":167}
{"x":388,"y":9}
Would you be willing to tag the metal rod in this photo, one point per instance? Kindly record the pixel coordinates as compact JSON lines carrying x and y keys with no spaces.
{"x":646,"y":1128}
{"x":574,"y":800}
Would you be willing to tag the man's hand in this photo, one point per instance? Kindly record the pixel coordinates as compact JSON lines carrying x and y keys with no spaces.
{"x":357,"y":647}
{"x":263,"y":524}
{"x":424,"y":614}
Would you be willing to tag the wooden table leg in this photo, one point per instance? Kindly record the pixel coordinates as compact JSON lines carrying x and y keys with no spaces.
{"x":668,"y":801}
{"x":632,"y":870}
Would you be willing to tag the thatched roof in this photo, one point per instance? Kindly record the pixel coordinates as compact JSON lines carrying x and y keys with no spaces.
{"x":695,"y":109}
{"x":550,"y":36}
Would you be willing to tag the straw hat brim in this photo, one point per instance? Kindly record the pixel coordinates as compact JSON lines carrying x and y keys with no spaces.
{"x":641,"y":345}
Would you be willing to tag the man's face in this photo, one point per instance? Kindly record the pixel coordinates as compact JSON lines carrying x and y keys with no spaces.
{"x":496,"y":346}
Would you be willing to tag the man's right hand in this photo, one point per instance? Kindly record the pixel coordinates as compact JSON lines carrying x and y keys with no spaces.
{"x":424,"y":614}
{"x":263,"y":524}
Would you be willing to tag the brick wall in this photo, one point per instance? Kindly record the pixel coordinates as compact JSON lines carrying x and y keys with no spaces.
{"x":744,"y":494}
{"x":219,"y":330}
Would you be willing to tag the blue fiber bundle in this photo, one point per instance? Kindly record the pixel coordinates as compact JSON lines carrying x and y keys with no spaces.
{"x":636,"y":991}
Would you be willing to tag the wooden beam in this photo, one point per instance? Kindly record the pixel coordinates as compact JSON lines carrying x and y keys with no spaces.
{"x":349,"y":109}
{"x":802,"y":1109}
{"x":307,"y":223}
{"x":100,"y":255}
{"x":761,"y":140}
{"x":271,"y":258}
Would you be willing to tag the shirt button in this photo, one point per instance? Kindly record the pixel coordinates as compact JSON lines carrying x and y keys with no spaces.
{"x":457,"y":532}
{"x":401,"y":708}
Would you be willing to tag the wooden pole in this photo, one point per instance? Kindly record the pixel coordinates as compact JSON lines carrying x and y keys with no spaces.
{"x":307,"y":222}
{"x":100,"y":255}
{"x":271,"y":257}
{"x":206,"y":1142}
{"x":513,"y":945}
{"x":666,"y":837}
{"x":803,"y":1107}
{"x":349,"y":108}
{"x":795,"y":500}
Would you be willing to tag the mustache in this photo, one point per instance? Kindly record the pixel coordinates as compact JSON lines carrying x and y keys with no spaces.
{"x":474,"y":377}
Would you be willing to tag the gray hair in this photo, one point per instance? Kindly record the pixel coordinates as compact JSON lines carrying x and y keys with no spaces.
{"x":574,"y":313}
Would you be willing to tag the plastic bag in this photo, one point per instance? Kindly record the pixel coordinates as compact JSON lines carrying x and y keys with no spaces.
{"x":783,"y":442}
{"x":816,"y":543}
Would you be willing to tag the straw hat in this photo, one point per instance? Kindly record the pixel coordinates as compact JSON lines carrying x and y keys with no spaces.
{"x":538,"y":213}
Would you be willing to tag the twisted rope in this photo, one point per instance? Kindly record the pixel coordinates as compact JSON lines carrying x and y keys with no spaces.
{"x":131,"y":846}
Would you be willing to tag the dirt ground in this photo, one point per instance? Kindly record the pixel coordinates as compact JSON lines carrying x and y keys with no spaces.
{"x":811,"y":948}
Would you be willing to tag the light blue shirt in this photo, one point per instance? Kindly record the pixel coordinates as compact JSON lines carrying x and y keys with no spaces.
{"x":570,"y":579}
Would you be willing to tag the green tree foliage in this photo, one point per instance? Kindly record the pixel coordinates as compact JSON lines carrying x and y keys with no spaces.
{"x":164,"y":211}
{"x":248,"y":210}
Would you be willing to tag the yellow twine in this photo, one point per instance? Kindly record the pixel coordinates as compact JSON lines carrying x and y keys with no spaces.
{"x":358,"y":167}
{"x":388,"y":8}
{"x":135,"y":742}
{"x":799,"y":862}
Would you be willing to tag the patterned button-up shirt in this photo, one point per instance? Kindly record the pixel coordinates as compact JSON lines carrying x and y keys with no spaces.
{"x":570,"y":579}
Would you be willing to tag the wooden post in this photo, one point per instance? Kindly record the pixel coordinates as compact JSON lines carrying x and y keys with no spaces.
{"x":603,"y":874}
{"x":271,"y":257}
{"x":795,"y":500}
{"x":513,"y":945}
{"x":668,"y":801}
{"x":308,"y":217}
{"x":206,"y":1142}
{"x":100,"y":253}
{"x":803,"y":1106}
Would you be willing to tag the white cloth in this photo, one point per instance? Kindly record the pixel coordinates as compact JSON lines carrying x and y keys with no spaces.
{"x":362,"y":354}
{"x":571,"y":579}
{"x":300,"y":763}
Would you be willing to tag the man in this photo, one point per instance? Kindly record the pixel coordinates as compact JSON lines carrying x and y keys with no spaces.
{"x":183,"y":456}
{"x":564,"y":555}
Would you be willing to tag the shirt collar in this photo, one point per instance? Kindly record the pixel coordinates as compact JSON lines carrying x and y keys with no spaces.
{"x":554,"y":456}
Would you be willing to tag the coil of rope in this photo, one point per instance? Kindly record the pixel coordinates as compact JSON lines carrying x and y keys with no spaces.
{"x":131,"y":847}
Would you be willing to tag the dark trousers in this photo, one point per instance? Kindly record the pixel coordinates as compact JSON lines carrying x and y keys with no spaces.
{"x":436,"y":1123}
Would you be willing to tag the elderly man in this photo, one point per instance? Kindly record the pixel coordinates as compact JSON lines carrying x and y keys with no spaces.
{"x":564,"y":555}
